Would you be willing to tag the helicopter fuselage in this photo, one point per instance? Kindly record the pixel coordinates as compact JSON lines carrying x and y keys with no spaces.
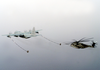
{"x":80,"y":45}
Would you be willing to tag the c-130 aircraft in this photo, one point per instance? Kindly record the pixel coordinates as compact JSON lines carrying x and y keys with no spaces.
{"x":25,"y":34}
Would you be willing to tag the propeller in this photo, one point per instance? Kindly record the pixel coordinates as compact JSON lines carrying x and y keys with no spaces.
{"x":94,"y":43}
{"x":84,"y":40}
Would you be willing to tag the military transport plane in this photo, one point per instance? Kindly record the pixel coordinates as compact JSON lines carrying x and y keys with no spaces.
{"x":25,"y":34}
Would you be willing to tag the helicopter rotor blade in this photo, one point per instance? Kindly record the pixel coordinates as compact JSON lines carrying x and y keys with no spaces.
{"x":67,"y":43}
{"x":81,"y":39}
{"x":84,"y":40}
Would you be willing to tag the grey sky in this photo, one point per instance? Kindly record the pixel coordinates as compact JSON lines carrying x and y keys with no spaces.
{"x":60,"y":21}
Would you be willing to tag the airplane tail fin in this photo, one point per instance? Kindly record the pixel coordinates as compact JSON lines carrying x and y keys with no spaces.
{"x":33,"y":31}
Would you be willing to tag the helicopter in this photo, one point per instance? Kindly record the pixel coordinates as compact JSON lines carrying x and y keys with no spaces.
{"x":79,"y":45}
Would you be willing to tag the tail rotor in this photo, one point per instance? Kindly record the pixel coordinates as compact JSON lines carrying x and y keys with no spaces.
{"x":94,"y":44}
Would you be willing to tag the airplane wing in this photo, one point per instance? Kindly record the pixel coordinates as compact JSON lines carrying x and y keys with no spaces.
{"x":27,"y":35}
{"x":9,"y":35}
{"x":35,"y":35}
{"x":13,"y":34}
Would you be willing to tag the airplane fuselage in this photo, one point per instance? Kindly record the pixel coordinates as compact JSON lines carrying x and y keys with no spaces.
{"x":22,"y":36}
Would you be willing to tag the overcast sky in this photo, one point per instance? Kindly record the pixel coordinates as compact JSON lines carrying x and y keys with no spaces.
{"x":60,"y":21}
